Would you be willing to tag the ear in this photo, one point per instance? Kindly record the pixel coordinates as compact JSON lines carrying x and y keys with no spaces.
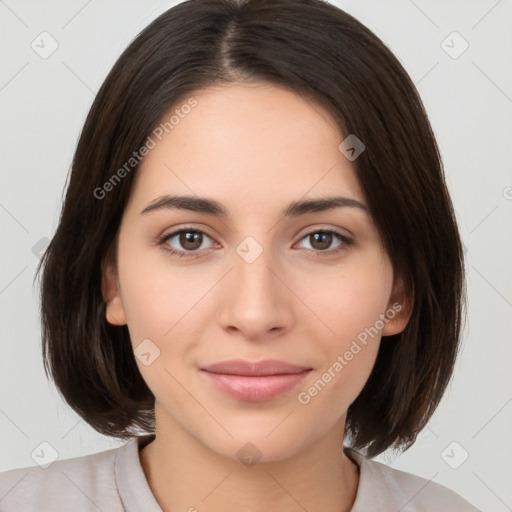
{"x":115,"y":313}
{"x":399,"y":309}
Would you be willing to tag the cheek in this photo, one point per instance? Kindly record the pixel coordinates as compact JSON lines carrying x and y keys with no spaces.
{"x":163,"y":309}
{"x":347,"y":356}
{"x":332,"y":389}
{"x":157,"y":297}
{"x":353,"y":300}
{"x":351,"y":305}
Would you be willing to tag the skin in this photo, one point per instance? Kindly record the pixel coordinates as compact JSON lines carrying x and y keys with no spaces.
{"x":254,"y":148}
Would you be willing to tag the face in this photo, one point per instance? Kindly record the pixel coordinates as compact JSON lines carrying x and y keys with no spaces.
{"x":312,"y":289}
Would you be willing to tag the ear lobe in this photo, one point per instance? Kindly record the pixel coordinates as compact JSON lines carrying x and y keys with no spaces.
{"x":115,"y":313}
{"x":399,"y":310}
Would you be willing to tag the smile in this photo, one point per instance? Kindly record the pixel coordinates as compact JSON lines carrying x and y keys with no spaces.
{"x":254,"y":388}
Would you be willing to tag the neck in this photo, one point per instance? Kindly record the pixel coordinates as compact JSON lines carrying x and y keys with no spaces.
{"x":184,"y":474}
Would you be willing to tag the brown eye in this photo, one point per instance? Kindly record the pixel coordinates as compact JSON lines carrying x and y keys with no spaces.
{"x":190,"y":240}
{"x":322,"y":240}
{"x":184,"y":242}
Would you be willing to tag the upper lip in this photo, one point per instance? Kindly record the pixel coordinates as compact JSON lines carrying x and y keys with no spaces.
{"x":250,"y":368}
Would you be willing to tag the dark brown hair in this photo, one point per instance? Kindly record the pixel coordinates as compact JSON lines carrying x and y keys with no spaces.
{"x":320,"y":52}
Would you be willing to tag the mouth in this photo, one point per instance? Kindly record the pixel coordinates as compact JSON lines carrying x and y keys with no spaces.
{"x":254,"y":381}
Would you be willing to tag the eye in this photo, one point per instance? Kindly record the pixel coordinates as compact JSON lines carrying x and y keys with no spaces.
{"x":321,"y":240}
{"x":189,"y":240}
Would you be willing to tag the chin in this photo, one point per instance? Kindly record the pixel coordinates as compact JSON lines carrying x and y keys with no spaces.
{"x":255,"y":445}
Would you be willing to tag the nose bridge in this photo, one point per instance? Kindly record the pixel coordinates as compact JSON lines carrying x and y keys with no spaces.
{"x":255,"y":303}
{"x":253,"y":276}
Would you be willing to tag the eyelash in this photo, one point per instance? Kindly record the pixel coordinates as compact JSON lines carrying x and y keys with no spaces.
{"x":346,"y":242}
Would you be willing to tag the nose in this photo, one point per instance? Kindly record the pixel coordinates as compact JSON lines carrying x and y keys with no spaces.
{"x":255,"y":301}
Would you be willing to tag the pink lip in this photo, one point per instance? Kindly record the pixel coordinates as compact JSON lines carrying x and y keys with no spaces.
{"x":254,"y":381}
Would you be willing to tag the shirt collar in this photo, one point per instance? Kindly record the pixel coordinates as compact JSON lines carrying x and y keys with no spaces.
{"x":133,"y":487}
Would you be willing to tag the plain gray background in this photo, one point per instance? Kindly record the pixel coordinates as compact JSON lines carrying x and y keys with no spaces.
{"x":468,"y":95}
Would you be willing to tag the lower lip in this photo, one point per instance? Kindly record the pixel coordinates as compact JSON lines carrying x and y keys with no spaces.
{"x":255,"y":389}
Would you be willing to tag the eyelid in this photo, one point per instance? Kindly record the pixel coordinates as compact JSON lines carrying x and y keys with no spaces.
{"x":175,"y":231}
{"x":314,"y":228}
{"x":346,"y":240}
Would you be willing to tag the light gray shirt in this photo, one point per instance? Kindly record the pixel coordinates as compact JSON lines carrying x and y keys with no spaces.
{"x":114,"y":481}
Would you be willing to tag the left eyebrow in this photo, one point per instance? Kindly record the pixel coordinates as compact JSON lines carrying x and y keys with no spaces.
{"x":212,"y":207}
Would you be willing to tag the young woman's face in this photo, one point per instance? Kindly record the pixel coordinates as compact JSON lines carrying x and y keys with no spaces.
{"x":254,"y":284}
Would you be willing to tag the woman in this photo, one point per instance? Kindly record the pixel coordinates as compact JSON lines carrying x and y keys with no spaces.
{"x":257,"y":260}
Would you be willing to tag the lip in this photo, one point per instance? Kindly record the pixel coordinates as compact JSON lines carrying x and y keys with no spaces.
{"x":255,"y":368}
{"x":254,"y":381}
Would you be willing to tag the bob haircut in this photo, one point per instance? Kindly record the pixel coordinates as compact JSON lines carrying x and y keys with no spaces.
{"x":314,"y":49}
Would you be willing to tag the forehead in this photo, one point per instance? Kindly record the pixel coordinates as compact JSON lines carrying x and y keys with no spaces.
{"x":249,"y":143}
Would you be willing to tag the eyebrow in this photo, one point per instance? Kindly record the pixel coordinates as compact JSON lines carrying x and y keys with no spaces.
{"x":212,"y":207}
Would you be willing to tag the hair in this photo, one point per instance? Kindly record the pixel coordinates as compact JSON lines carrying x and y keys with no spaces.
{"x":314,"y":49}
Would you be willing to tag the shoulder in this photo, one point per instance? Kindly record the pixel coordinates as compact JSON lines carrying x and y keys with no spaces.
{"x":393,"y":489}
{"x":86,"y":483}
